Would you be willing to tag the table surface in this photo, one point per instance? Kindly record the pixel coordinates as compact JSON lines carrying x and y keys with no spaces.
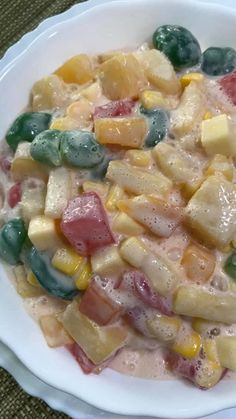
{"x":18,"y":17}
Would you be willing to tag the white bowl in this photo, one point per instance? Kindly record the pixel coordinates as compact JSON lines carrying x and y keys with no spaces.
{"x":112,"y":25}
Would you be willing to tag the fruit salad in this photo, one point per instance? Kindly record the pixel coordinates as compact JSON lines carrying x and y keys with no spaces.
{"x":118,"y":208}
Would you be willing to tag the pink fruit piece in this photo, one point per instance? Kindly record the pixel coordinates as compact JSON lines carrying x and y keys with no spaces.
{"x":228,"y":85}
{"x":14,"y":195}
{"x":85,"y":224}
{"x":115,"y":108}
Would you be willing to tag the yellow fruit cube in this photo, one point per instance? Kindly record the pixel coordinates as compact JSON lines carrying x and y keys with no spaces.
{"x":124,"y":224}
{"x":54,"y":332}
{"x":121,"y":77}
{"x":155,"y":214}
{"x":159,"y":71}
{"x":67,"y":123}
{"x":107,"y":261}
{"x":191,"y":108}
{"x":137,"y":181}
{"x":210,"y":212}
{"x":138,"y":157}
{"x":218,"y":136}
{"x":177,"y":167}
{"x":78,"y":69}
{"x":201,"y":326}
{"x":221,"y":165}
{"x":49,"y":93}
{"x":226,"y":349}
{"x":100,"y":188}
{"x":151,"y":99}
{"x":80,"y":110}
{"x":186,"y":79}
{"x":42,"y":233}
{"x":58,"y":192}
{"x":83,"y":277}
{"x":164,"y":328}
{"x":23,"y":166}
{"x":198,"y":263}
{"x":195,"y":301}
{"x":127,"y":132}
{"x":188,"y":345}
{"x":115,"y":194}
{"x":32,"y":200}
{"x":98,"y":342}
{"x":67,"y":260}
{"x":161,"y":274}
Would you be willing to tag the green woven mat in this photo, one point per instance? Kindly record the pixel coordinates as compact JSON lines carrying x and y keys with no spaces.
{"x":16,"y":18}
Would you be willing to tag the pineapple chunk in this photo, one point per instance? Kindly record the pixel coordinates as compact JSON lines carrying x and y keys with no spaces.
{"x":138,"y":157}
{"x":122,"y":76}
{"x":68,"y":123}
{"x":78,"y":69}
{"x":218,"y":136}
{"x":187,"y":78}
{"x":156,"y":215}
{"x":174,"y":165}
{"x":42,"y":233}
{"x":164,"y":328}
{"x":189,"y":111}
{"x":124,"y":224}
{"x":23,"y":287}
{"x":48,"y":93}
{"x":127,"y":132}
{"x":226,"y":349}
{"x":115,"y":194}
{"x":107,"y":261}
{"x":58,"y":192}
{"x":199,"y":264}
{"x":152,"y":99}
{"x":93,"y":92}
{"x":54,"y":332}
{"x":211,"y":212}
{"x":137,"y":181}
{"x":161,"y":274}
{"x":104,"y":56}
{"x":209,"y":374}
{"x":80,"y":110}
{"x":32,"y":201}
{"x":23,"y":166}
{"x":197,"y":302}
{"x":210,"y":350}
{"x":188,"y":345}
{"x":159,"y":71}
{"x":220,"y":165}
{"x":98,"y":342}
{"x":100,"y":188}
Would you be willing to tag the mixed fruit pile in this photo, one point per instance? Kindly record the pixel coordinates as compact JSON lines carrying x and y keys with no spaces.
{"x":119,"y":199}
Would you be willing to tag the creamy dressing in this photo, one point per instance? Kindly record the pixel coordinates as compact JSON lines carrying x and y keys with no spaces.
{"x":144,"y":357}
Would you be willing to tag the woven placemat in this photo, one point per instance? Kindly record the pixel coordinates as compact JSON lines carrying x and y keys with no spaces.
{"x":16,"y":18}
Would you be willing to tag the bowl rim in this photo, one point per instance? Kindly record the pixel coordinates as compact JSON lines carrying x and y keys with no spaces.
{"x":10,"y":59}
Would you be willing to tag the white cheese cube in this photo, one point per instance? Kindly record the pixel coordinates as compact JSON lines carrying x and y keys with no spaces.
{"x":42,"y":233}
{"x":218,"y":136}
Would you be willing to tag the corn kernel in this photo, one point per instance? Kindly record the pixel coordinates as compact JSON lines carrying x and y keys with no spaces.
{"x":32,"y":280}
{"x":189,"y":346}
{"x":152,"y":99}
{"x":220,"y":165}
{"x":208,"y":115}
{"x":187,"y":78}
{"x":138,"y":157}
{"x":83,"y":279}
{"x":100,"y":188}
{"x":115,"y":194}
{"x":67,"y":261}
